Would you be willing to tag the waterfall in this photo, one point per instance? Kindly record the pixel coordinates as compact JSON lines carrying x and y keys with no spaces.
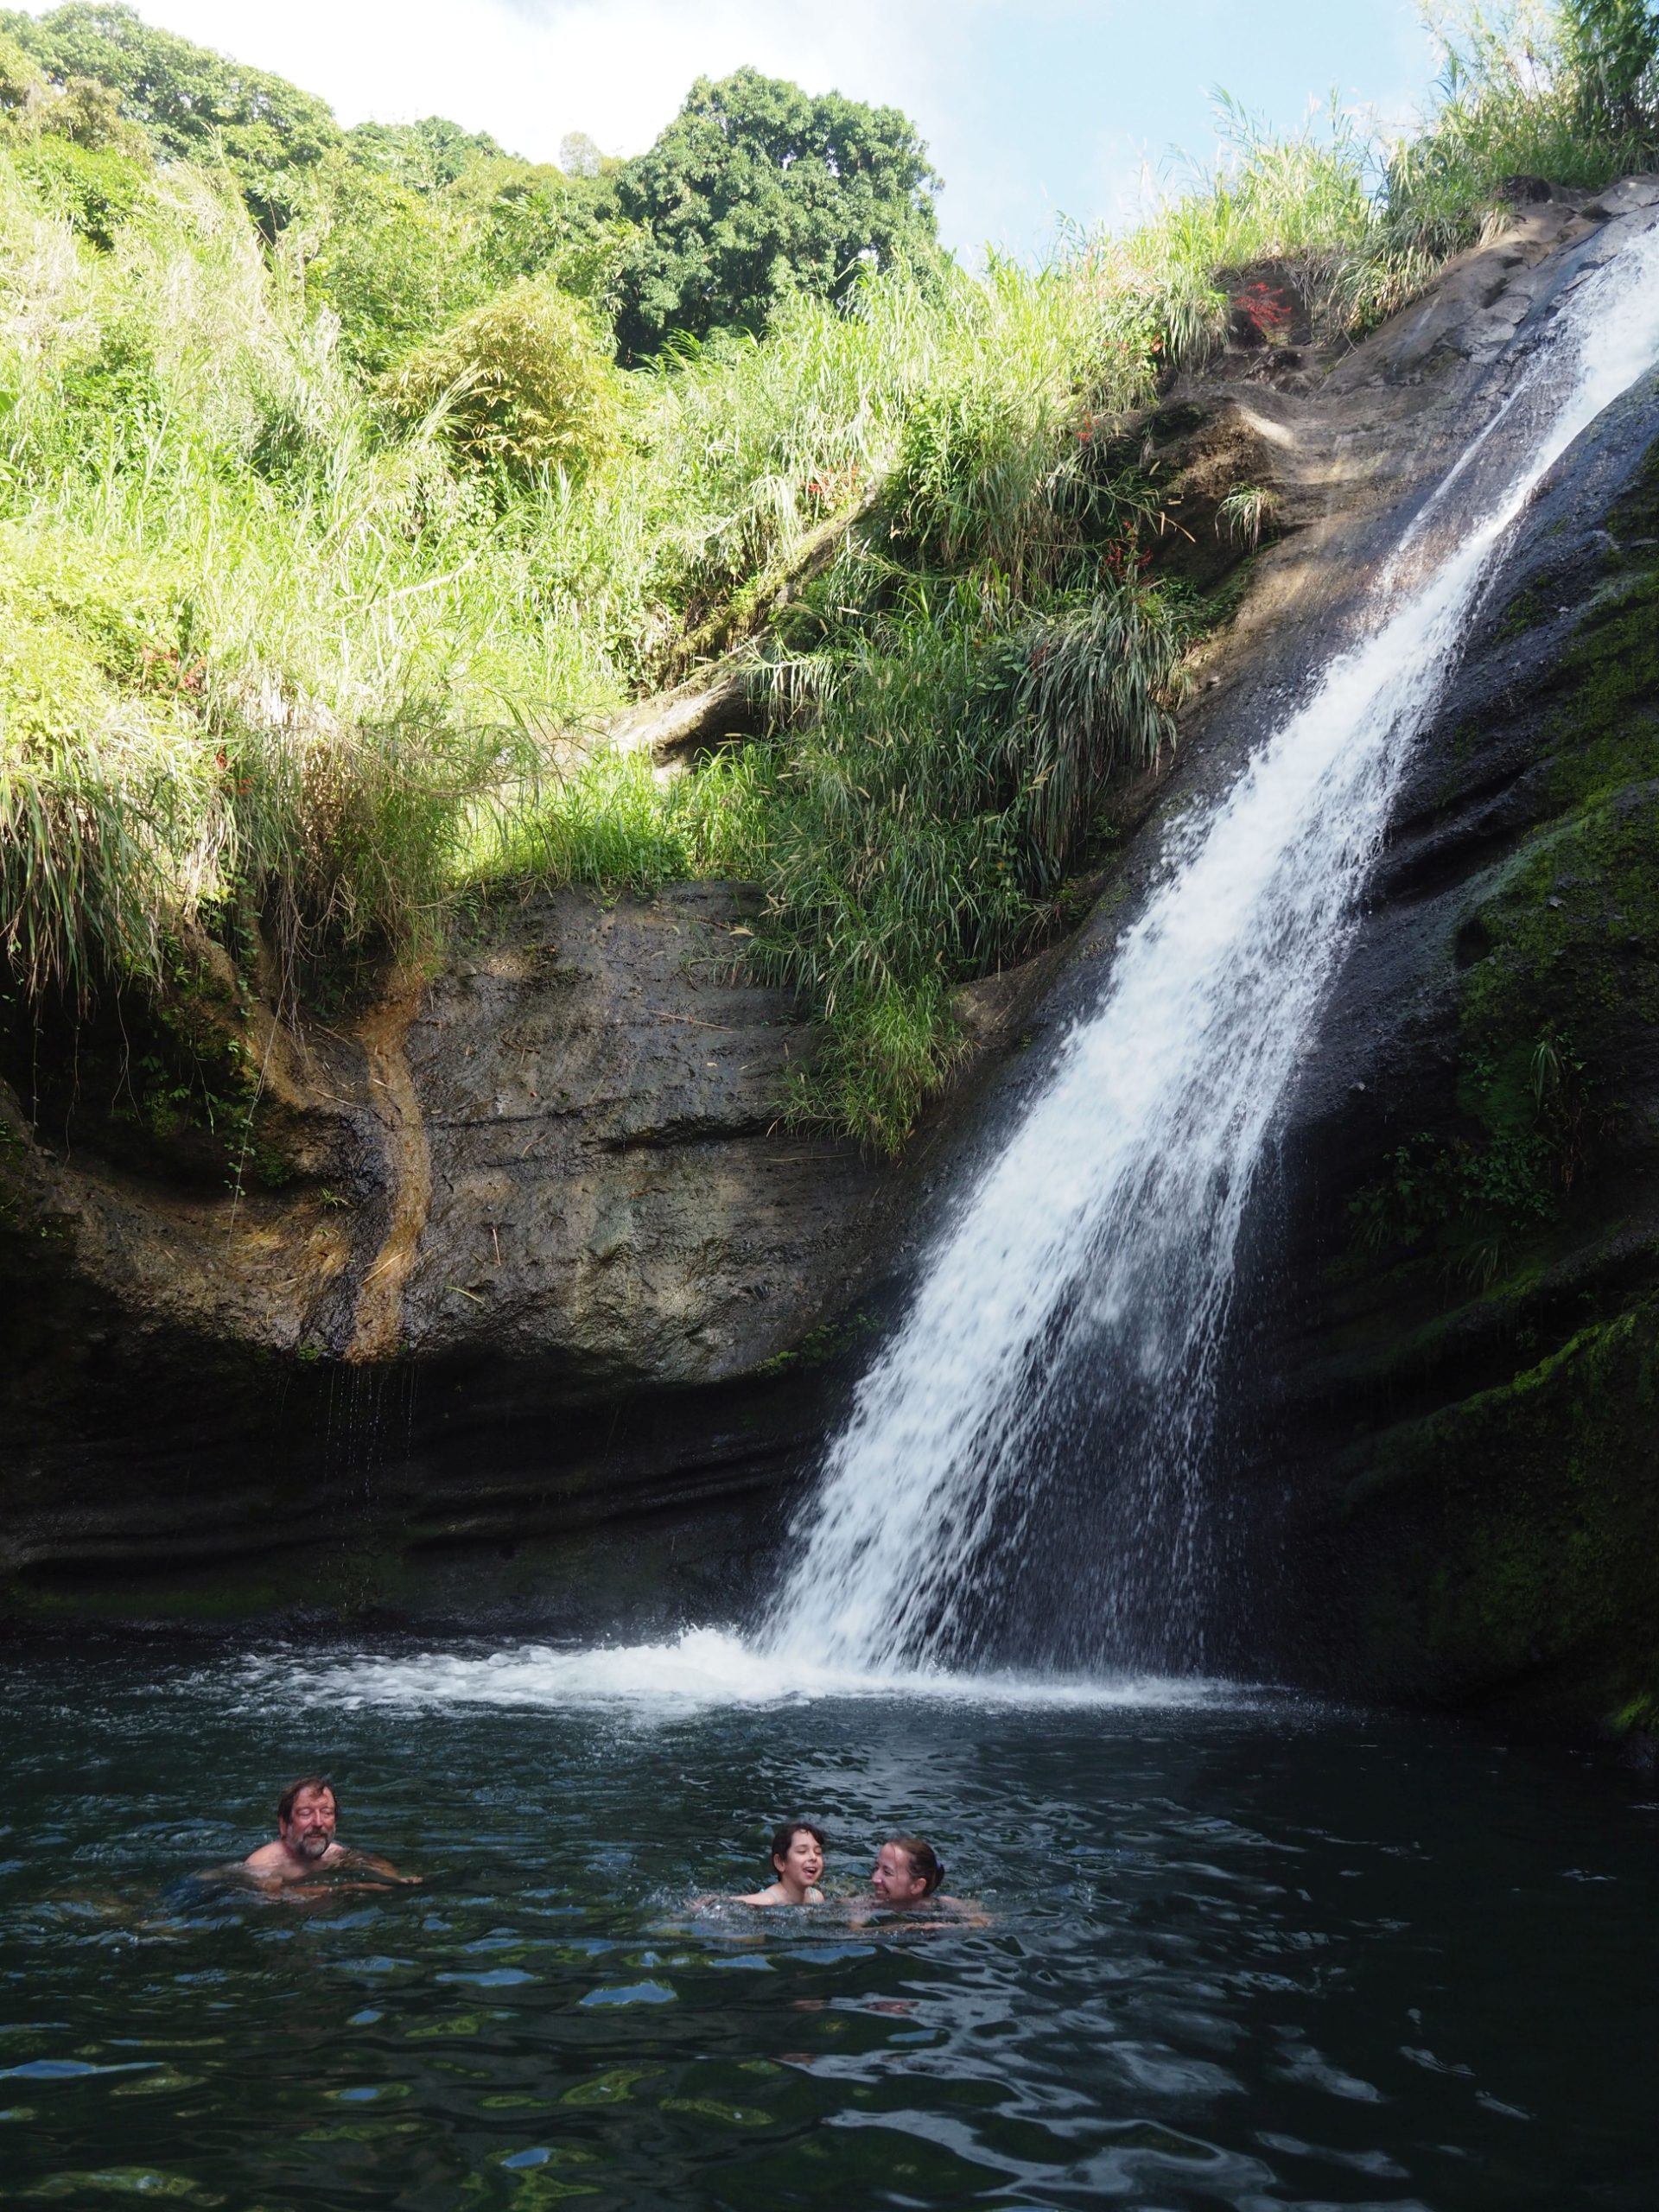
{"x":1100,"y":1243}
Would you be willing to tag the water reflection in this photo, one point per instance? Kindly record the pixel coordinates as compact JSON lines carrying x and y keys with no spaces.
{"x":1242,"y":1956}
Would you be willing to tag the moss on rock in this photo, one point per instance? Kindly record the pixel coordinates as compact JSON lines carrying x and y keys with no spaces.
{"x":1522,"y":1556}
{"x":1505,"y":1545}
{"x":1557,"y":957}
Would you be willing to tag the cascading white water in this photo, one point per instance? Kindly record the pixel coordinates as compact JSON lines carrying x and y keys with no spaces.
{"x":1111,"y":1217}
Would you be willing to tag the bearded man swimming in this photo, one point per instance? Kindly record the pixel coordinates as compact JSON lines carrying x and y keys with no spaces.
{"x":307,"y":1812}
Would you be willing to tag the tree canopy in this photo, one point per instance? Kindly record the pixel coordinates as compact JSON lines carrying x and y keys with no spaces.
{"x":756,"y":190}
{"x":425,"y":155}
{"x":404,"y":225}
{"x":192,"y":102}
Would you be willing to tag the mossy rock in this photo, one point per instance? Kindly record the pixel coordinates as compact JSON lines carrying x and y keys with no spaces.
{"x":1501,"y":1263}
{"x":1556,"y":961}
{"x":1516,"y":1536}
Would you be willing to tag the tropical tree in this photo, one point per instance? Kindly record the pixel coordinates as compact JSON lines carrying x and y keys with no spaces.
{"x":756,"y":190}
{"x":424,"y":156}
{"x":531,"y":218}
{"x":23,"y":81}
{"x":194,"y":103}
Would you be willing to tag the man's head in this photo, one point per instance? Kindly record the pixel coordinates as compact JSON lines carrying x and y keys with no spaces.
{"x":307,"y":1812}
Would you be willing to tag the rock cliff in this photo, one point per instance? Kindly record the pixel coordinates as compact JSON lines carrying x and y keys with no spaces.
{"x":1437,"y":1472}
{"x":508,"y":1293}
{"x":508,"y":1241}
{"x":1459,"y":1422}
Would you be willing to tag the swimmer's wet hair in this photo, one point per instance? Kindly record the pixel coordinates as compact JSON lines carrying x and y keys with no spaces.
{"x":784,"y":1836}
{"x":296,"y":1790}
{"x":926,"y":1864}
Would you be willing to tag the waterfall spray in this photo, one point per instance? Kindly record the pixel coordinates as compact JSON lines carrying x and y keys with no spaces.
{"x":1108,"y":1223}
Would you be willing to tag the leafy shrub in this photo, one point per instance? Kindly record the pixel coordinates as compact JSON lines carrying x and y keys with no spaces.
{"x":523,"y":384}
{"x":394,"y":266}
{"x":919,"y":826}
{"x":94,"y":189}
{"x":89,"y":115}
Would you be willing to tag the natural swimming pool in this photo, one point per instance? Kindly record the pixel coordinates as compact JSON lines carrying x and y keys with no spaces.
{"x":1245,"y":1952}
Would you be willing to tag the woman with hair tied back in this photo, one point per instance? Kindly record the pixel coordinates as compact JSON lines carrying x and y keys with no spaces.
{"x":909,"y":1873}
{"x":797,"y":1861}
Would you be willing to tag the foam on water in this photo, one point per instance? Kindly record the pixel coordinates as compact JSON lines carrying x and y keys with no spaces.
{"x":704,"y":1667}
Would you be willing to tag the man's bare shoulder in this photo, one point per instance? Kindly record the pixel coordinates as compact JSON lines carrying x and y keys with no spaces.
{"x":274,"y":1862}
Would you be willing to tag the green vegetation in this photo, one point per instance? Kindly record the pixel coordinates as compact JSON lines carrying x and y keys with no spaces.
{"x":1568,"y":93}
{"x":188,"y":104}
{"x":522,"y":385}
{"x":954,"y":753}
{"x":1247,"y":511}
{"x":755,"y":191}
{"x":333,"y":528}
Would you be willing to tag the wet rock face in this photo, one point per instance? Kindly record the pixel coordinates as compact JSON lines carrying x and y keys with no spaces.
{"x":599,"y":1087}
{"x":1450,"y":1412}
{"x":1439,"y":1463}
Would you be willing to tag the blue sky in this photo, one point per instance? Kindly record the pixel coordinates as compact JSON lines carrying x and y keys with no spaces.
{"x":1031,"y":110}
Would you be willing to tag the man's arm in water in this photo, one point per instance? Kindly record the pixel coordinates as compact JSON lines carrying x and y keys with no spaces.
{"x":274,"y":1864}
{"x":373,"y":1865}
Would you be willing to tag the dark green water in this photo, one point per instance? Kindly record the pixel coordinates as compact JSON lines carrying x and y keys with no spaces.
{"x":1243,"y":1956}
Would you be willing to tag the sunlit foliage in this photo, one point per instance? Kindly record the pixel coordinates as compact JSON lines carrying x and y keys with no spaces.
{"x":331,"y":533}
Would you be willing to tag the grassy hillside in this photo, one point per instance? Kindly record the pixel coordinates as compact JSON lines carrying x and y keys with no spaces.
{"x":331,"y":532}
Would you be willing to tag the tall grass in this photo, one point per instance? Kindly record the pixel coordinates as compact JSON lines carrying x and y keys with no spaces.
{"x":921,"y":827}
{"x":253,"y":646}
{"x":1307,"y":200}
{"x":281,"y":642}
{"x":1525,"y":91}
